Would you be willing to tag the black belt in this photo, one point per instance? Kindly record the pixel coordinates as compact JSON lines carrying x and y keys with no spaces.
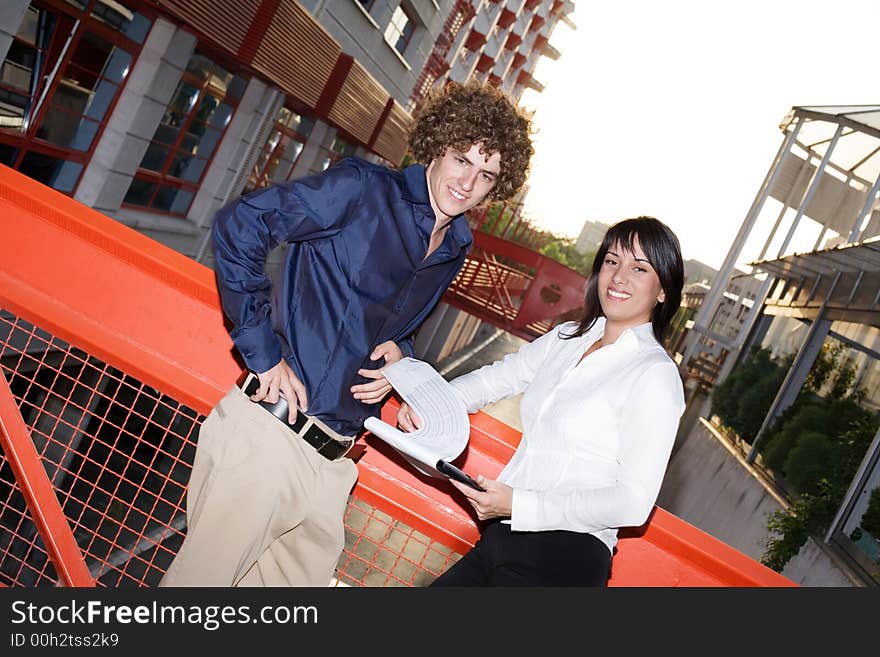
{"x":326,"y":445}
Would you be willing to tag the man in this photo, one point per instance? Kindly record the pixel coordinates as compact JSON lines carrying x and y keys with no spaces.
{"x":370,"y":252}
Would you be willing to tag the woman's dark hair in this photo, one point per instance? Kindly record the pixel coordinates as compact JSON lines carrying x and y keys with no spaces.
{"x":661,"y":248}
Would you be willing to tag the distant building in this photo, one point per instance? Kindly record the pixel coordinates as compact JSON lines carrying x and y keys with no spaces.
{"x":698,"y":272}
{"x":730,"y":316}
{"x":591,"y":236}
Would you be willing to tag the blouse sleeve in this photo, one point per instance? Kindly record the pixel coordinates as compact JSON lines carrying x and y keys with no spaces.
{"x":646,"y":438}
{"x":508,"y":376}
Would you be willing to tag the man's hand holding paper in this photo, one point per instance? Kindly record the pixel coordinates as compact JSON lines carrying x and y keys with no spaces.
{"x":436,"y":424}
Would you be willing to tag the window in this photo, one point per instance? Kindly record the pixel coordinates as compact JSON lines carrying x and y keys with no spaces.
{"x":367,"y":4}
{"x":281,"y":150}
{"x":186,"y":138}
{"x":400,"y":29}
{"x":60,"y":79}
{"x":340,"y":148}
{"x":853,"y":383}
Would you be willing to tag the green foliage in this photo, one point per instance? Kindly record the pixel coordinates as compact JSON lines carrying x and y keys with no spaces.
{"x":811,"y":461}
{"x":817,"y":443}
{"x":563,"y":251}
{"x":823,"y":366}
{"x":854,"y":443}
{"x":744,"y":397}
{"x":755,"y":402}
{"x":808,"y":515}
{"x":871,"y":518}
{"x":503,"y":220}
{"x":834,"y":368}
{"x":829,"y":439}
{"x":832,"y":418}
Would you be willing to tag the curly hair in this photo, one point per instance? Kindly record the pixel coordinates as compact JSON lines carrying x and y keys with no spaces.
{"x":461,"y":115}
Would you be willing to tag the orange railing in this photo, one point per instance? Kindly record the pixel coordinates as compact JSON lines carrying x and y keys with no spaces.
{"x":112,"y":349}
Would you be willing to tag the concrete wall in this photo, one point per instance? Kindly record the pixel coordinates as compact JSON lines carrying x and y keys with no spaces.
{"x":709,"y":484}
{"x":445,"y":332}
{"x":361,"y":35}
{"x":814,"y":565}
{"x":11,"y":14}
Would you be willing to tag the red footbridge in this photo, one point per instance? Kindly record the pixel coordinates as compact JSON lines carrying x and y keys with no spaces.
{"x":112,"y":350}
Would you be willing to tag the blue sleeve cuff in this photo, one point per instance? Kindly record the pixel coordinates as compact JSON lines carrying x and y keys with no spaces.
{"x":258,"y":345}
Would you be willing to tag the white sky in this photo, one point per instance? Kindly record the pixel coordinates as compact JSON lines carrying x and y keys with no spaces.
{"x":672,"y":108}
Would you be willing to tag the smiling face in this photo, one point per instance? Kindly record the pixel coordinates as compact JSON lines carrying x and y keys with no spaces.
{"x":459,"y":181}
{"x":628,"y":288}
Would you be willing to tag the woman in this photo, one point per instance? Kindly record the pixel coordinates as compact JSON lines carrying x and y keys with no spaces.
{"x":600,"y":408}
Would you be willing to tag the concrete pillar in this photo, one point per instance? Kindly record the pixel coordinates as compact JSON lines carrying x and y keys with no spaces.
{"x":427,"y":332}
{"x":138,"y":111}
{"x":314,"y":150}
{"x":11,"y":14}
{"x":466,"y":332}
{"x":433,"y":351}
{"x":235,"y":155}
{"x":446,"y":331}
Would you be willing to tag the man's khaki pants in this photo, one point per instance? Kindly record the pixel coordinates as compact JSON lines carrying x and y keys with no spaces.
{"x":263,"y":507}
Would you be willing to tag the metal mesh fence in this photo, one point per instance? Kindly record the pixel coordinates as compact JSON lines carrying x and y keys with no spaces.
{"x":118,"y":455}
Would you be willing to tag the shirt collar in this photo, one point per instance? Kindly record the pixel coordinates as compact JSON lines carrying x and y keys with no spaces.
{"x":416,"y":187}
{"x":630,"y":338}
{"x":416,"y":191}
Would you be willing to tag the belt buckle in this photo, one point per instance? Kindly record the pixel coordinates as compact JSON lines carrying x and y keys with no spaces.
{"x":249,"y":384}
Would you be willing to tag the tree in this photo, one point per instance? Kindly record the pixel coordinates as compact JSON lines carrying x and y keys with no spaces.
{"x":742,"y":400}
{"x":564,"y":252}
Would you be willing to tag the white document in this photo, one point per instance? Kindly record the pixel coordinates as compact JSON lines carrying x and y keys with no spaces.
{"x":445,"y":426}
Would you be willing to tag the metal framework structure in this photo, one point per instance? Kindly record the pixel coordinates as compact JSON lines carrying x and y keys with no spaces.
{"x":827,"y":170}
{"x":820,"y":260}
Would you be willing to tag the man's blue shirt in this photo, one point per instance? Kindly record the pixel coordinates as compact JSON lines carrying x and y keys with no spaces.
{"x":353,"y":276}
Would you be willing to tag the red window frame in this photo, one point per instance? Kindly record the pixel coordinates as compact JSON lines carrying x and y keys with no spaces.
{"x":59,"y":65}
{"x":341,"y":147}
{"x":157,"y":183}
{"x":271,"y":155}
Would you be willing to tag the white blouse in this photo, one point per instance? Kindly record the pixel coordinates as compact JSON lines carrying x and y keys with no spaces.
{"x":596,"y":434}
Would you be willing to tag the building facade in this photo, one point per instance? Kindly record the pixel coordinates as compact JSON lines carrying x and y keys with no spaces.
{"x":156,"y":113}
{"x":591,"y":236}
{"x":159,"y":112}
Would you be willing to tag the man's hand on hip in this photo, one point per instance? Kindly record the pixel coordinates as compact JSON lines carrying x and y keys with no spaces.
{"x":281,"y":379}
{"x":375,"y":391}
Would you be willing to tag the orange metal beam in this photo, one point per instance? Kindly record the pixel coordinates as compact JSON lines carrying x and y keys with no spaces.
{"x":114,"y":292}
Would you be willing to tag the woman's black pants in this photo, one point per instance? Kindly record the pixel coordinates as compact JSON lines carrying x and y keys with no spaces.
{"x":549,"y":558}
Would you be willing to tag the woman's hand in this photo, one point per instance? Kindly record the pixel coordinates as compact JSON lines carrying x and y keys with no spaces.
{"x":496,"y":502}
{"x":375,"y":391}
{"x":407,"y":419}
